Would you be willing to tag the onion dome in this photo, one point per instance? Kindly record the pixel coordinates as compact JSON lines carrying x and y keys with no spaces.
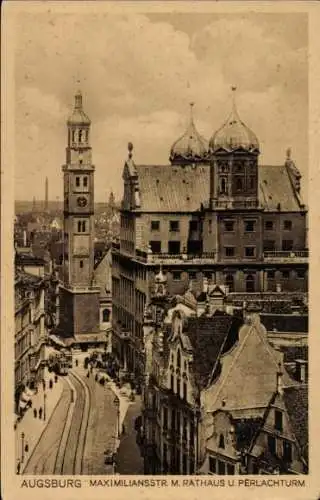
{"x":78,"y":116}
{"x":234,"y":134}
{"x":191,"y":147}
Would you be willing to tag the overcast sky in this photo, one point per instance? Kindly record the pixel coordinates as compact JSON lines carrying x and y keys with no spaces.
{"x":138,"y":74}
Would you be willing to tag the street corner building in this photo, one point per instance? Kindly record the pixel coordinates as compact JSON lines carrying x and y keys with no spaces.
{"x":210,"y":295}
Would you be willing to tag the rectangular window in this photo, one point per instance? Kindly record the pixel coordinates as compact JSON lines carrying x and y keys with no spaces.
{"x":81,"y":264}
{"x":155,"y":246}
{"x":269,"y":225}
{"x":287,"y":245}
{"x":176,"y":275}
{"x":271,"y":275}
{"x":212,"y":465}
{"x":269,"y":245}
{"x":173,"y":420}
{"x":193,"y":225}
{"x":165,"y":417}
{"x":171,"y":382}
{"x":184,"y":464}
{"x":272,"y":444}
{"x":185,"y":427}
{"x":287,"y":451}
{"x":174,"y":226}
{"x":192,"y":275}
{"x":191,"y":434}
{"x":249,"y":226}
{"x":229,"y":251}
{"x":174,"y":247}
{"x":77,"y":181}
{"x":184,"y":390}
{"x":250,"y":251}
{"x":286,"y":275}
{"x":278,"y":423}
{"x":301,"y":273}
{"x":229,"y":225}
{"x":287,"y":225}
{"x":230,"y":469}
{"x":85,"y":182}
{"x":221,"y":468}
{"x":155,"y":225}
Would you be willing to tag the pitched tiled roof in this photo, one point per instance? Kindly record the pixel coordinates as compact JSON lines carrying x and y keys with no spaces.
{"x":208,"y":336}
{"x":167,"y":188}
{"x":275,"y":187}
{"x":296,"y":401}
{"x":173,"y":188}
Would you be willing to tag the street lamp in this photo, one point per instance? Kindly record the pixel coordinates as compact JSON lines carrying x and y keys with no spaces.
{"x":22,"y":447}
{"x":44,"y":406}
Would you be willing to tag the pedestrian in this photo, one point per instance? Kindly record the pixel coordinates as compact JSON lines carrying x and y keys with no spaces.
{"x":40,"y":412}
{"x":35,"y":413}
{"x":18,"y":467}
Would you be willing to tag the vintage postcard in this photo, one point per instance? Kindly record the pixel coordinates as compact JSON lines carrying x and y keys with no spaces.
{"x":159,"y":222}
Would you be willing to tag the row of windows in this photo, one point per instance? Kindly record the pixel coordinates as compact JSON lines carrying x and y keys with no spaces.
{"x":229,"y":225}
{"x":229,"y":279}
{"x":250,"y":225}
{"x":268,"y":246}
{"x":239,"y":184}
{"x":82,"y":136}
{"x":221,"y":468}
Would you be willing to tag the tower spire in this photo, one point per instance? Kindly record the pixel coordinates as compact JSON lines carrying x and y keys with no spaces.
{"x":191,"y":112}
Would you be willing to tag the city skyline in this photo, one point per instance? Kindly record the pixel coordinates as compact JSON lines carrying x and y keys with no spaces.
{"x":133,"y":95}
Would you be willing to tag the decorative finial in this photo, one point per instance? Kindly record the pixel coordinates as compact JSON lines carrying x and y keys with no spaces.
{"x":289,"y":154}
{"x":130,"y":149}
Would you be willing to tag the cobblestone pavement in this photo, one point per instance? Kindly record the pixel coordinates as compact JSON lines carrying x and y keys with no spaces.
{"x":42,"y":459}
{"x":129,"y":459}
{"x":101,"y":431}
{"x":32,"y":427}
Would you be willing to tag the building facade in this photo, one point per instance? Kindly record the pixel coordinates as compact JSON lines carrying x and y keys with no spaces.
{"x":30,"y":331}
{"x":214,"y":213}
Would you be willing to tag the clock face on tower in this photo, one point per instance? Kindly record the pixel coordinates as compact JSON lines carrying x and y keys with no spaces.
{"x":82,"y":201}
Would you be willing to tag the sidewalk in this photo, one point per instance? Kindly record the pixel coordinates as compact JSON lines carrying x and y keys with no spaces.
{"x":129,"y":459}
{"x":33,"y":427}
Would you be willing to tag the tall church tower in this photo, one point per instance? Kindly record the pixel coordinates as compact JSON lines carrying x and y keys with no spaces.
{"x":79,"y":304}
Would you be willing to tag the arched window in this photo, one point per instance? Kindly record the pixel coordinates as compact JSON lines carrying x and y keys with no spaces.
{"x":83,"y":226}
{"x":250,"y":283}
{"x":87,"y":135}
{"x":80,"y":135}
{"x":230,"y":282}
{"x":221,"y":441}
{"x":79,"y":226}
{"x":178,"y":359}
{"x":73,"y":135}
{"x":105,"y":315}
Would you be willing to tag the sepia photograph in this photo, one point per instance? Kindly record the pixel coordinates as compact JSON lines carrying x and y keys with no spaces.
{"x":160,"y":245}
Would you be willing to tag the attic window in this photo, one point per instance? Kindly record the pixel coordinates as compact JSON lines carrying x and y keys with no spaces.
{"x":157,"y":181}
{"x":188,"y":198}
{"x":161,"y":199}
{"x":265,"y":181}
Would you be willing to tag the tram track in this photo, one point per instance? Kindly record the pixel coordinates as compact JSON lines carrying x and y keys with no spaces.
{"x":63,"y":455}
{"x":72,"y":455}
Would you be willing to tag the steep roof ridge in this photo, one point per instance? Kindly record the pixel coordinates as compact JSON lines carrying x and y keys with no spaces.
{"x":221,"y":354}
{"x":227,"y":367}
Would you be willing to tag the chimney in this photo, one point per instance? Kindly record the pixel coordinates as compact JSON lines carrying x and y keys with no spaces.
{"x":279,"y":380}
{"x":302,"y":370}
